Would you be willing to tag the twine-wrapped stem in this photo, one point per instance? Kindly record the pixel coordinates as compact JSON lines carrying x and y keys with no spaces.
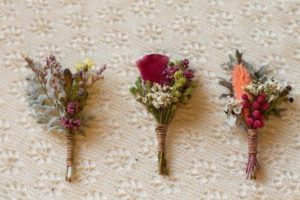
{"x":161,"y":133}
{"x":252,"y":165}
{"x":69,"y":158}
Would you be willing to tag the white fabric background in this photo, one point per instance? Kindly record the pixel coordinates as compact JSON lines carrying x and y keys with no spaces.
{"x":117,"y":157}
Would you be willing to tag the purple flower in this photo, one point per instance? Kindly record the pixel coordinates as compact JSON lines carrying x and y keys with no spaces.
{"x":72,"y":108}
{"x":189,"y":74}
{"x":152,"y":67}
{"x":70,"y":123}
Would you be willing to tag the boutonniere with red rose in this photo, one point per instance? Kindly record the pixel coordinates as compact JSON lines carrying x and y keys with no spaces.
{"x":163,"y":84}
{"x":253,"y":97}
{"x":58,"y":97}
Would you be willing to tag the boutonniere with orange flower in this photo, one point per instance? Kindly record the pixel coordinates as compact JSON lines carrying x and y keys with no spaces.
{"x":163,"y":84}
{"x":58,"y":97}
{"x":253,"y":97}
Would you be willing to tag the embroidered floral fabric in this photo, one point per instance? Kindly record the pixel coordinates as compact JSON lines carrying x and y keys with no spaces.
{"x":117,"y":158}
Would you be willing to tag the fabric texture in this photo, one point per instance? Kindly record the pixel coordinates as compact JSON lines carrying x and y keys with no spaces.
{"x":117,"y":157}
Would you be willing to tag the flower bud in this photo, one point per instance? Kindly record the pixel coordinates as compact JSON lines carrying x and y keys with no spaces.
{"x":185,"y":99}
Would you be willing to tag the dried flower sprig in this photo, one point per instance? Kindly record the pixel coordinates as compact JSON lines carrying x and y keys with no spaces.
{"x":162,"y":85}
{"x":58,"y":96}
{"x":252,"y":99}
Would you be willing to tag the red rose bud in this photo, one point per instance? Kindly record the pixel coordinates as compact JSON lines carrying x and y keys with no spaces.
{"x":250,"y":121}
{"x":265,"y":106}
{"x":257,"y":114}
{"x":257,"y":124}
{"x":261,"y":98}
{"x":152,"y":67}
{"x":245,"y":97}
{"x":256,"y":105}
{"x":245,"y":104}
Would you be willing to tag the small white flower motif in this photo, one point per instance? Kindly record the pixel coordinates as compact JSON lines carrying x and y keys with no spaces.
{"x":293,"y":29}
{"x":191,"y":141}
{"x":115,"y":38}
{"x":83,"y":44}
{"x":9,"y":161}
{"x":148,"y":148}
{"x":194,"y":50}
{"x":288,"y":7}
{"x":42,"y":27}
{"x":111,"y":15}
{"x":92,"y":195}
{"x":297,"y":53}
{"x":264,"y":37}
{"x":286,"y":182}
{"x":221,"y":19}
{"x":13,"y":60}
{"x":185,"y":25}
{"x":13,"y":190}
{"x":150,"y":32}
{"x":86,"y":171}
{"x":76,"y":21}
{"x":38,"y":6}
{"x":256,"y":12}
{"x":166,"y":185}
{"x":46,"y":49}
{"x":216,"y":195}
{"x":245,"y":190}
{"x":8,"y":10}
{"x":131,"y":189}
{"x":119,"y":159}
{"x":276,"y":61}
{"x":183,"y":5}
{"x":144,"y":9}
{"x":11,"y":35}
{"x":216,"y":2}
{"x":233,"y":163}
{"x":50,"y":183}
{"x":224,"y":42}
{"x":73,"y":4}
{"x":40,"y":152}
{"x":204,"y":171}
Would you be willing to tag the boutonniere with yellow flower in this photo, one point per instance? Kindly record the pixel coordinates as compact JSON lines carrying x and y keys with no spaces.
{"x":162,"y":86}
{"x":253,"y":97}
{"x":58,"y":96}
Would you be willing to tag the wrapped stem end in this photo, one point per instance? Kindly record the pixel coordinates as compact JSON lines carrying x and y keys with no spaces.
{"x":161,"y":133}
{"x":162,"y":163}
{"x":69,"y":173}
{"x":252,"y":165}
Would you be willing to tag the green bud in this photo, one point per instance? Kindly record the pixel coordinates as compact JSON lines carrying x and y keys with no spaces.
{"x":138,"y":82}
{"x":181,"y":82}
{"x":188,"y":91}
{"x":177,"y":93}
{"x":178,"y":74}
{"x":171,"y":63}
{"x":132,"y":90}
{"x":185,"y":99}
{"x":175,"y":99}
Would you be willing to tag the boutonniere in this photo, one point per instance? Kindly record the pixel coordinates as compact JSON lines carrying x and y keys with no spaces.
{"x":163,"y":84}
{"x":58,"y":96}
{"x":253,"y":97}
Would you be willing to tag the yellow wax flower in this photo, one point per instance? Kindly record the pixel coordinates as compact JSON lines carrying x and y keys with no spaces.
{"x":85,"y":65}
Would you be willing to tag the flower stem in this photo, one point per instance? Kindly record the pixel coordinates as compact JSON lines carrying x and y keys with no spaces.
{"x":252,"y":164}
{"x":161,"y":132}
{"x":69,"y":159}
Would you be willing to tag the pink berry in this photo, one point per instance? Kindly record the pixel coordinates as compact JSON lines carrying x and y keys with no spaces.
{"x":245,"y":104}
{"x":261,"y":98}
{"x":257,"y":124}
{"x":255,"y":105}
{"x":245,"y":97}
{"x":256,"y":114}
{"x":266,"y":106}
{"x":249,"y":121}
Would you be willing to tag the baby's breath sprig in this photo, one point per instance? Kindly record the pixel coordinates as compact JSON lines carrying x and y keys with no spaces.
{"x":58,"y":96}
{"x":160,"y":88}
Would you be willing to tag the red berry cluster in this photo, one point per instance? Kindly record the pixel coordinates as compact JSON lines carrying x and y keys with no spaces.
{"x":257,"y":107}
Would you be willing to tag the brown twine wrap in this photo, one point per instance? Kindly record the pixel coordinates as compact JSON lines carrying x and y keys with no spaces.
{"x":69,"y":159}
{"x":161,"y":133}
{"x":252,"y":141}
